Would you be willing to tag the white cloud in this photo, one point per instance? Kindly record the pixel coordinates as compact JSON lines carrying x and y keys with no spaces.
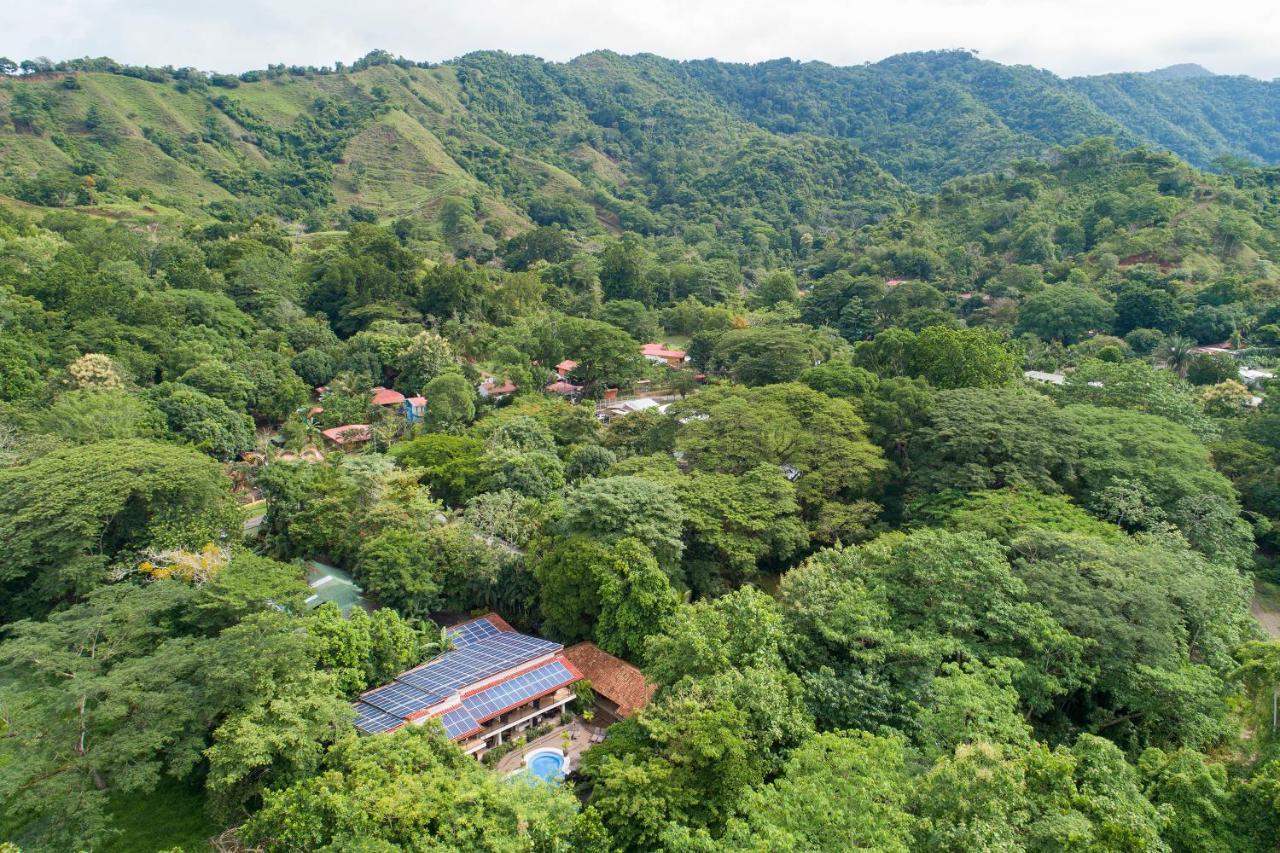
{"x":1066,"y":36}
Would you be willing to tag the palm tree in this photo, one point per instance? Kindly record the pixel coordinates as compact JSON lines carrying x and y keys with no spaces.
{"x":432,"y":641}
{"x":1177,"y":352}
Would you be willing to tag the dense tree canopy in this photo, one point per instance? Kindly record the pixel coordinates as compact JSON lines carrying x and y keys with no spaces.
{"x":942,"y":535}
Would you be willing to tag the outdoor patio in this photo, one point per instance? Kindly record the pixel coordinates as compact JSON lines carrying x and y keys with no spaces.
{"x":580,"y":735}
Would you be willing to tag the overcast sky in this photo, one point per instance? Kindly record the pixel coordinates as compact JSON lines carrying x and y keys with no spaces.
{"x":1066,"y":36}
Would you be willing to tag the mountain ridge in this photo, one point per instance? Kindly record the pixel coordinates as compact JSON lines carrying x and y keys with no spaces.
{"x":614,"y":138}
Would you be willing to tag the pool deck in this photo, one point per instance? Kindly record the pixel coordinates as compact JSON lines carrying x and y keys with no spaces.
{"x":580,"y":740}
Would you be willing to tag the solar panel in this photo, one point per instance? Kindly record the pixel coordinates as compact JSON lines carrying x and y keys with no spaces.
{"x":469,"y":632}
{"x":518,"y":690}
{"x":481,"y":651}
{"x":372,"y":721}
{"x":458,"y":722}
{"x":399,"y":700}
{"x":476,"y":662}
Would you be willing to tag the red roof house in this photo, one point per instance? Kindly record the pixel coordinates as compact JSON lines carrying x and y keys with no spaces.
{"x":349,"y":435}
{"x":493,"y":685}
{"x":387,"y":397}
{"x":564,"y":367}
{"x":620,"y":688}
{"x":490,"y":388}
{"x":564,"y":389}
{"x":659,"y":354}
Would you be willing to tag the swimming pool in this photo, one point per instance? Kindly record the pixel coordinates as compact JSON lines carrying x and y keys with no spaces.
{"x":546,"y":764}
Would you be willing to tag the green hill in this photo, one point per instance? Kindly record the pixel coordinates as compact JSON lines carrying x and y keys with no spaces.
{"x":618,"y":140}
{"x":605,"y":141}
{"x":929,"y":117}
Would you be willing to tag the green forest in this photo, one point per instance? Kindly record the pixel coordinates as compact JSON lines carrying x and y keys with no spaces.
{"x":945,"y":518}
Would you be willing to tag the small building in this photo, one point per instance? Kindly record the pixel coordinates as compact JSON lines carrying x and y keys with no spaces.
{"x":386,"y":397}
{"x":620,"y":688}
{"x":415,"y":409}
{"x":1041,"y":376}
{"x":1253,"y":378}
{"x":564,"y":389}
{"x":491,"y":686}
{"x":615,"y":408}
{"x":332,"y":585}
{"x":565,"y":367}
{"x":491,"y":389}
{"x":658,"y":354}
{"x":346,"y":437}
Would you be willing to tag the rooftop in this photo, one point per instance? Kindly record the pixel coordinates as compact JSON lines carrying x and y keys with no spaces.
{"x":331,"y":584}
{"x":348,"y":434}
{"x":565,"y":388}
{"x":490,"y":386}
{"x":659,"y":351}
{"x":612,"y":677}
{"x":386,"y":397}
{"x":490,"y":670}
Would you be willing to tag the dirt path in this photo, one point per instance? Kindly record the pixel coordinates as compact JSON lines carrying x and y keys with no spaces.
{"x":1260,"y":607}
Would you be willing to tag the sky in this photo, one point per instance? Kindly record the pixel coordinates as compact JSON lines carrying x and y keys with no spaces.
{"x":1068,"y":37}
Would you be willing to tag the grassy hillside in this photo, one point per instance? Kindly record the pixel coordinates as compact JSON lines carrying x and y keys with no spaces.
{"x":602,"y":142}
{"x":615,"y":138}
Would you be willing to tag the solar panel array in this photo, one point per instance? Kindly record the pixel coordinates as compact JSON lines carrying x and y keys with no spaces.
{"x":518,"y":690}
{"x":481,"y":650}
{"x":469,"y":632}
{"x":477,"y":661}
{"x":370,"y":719}
{"x":458,"y":722}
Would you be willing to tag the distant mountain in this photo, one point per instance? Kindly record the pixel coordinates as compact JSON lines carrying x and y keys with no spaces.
{"x":1182,"y":71}
{"x":925,"y":117}
{"x":627,"y":142}
{"x":928,"y":117}
{"x":1198,"y":117}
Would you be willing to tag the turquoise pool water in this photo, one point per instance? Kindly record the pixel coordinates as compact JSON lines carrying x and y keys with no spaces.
{"x":547,"y":765}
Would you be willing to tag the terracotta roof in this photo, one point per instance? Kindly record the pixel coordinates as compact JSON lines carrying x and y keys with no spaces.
{"x":566,"y":365}
{"x":491,"y":387}
{"x":611,"y":677}
{"x":417,"y":402}
{"x":349,"y":434}
{"x":659,"y":351}
{"x":387,"y":397}
{"x":564,"y":388}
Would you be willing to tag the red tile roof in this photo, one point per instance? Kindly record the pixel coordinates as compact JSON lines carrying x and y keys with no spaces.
{"x":507,"y":387}
{"x":566,"y":365}
{"x":612,"y":677}
{"x":565,"y":388}
{"x":349,"y":434}
{"x":417,"y":401}
{"x":659,"y":351}
{"x":387,"y":397}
